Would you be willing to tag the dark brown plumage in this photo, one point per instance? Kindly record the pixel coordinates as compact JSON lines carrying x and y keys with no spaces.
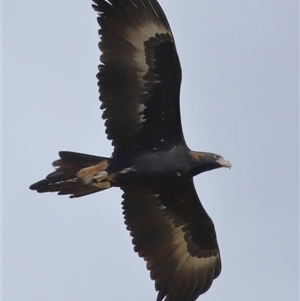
{"x":139,"y":84}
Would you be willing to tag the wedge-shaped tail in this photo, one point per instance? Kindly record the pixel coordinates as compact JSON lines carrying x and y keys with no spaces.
{"x":76,"y":174}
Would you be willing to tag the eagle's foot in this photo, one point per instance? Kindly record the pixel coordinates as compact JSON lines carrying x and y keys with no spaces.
{"x":99,"y":180}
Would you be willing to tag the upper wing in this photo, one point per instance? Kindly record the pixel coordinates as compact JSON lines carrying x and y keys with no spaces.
{"x":174,"y":234}
{"x":140,"y":75}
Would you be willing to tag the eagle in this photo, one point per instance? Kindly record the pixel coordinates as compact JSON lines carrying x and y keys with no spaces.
{"x":139,"y":85}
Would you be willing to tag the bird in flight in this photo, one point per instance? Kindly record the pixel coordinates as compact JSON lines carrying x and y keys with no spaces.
{"x":139,"y":84}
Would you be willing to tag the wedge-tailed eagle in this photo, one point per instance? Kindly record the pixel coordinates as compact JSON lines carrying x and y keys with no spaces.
{"x":139,"y":84}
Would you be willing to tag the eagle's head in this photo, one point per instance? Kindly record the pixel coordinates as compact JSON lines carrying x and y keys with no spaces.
{"x":204,"y":161}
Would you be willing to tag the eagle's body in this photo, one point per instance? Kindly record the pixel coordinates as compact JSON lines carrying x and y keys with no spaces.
{"x":139,"y":85}
{"x":155,"y":166}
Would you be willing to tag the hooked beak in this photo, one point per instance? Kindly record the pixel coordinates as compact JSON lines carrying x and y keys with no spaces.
{"x":224,"y":163}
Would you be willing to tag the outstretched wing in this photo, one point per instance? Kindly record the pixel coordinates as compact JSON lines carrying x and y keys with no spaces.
{"x":174,"y":234}
{"x":140,"y":76}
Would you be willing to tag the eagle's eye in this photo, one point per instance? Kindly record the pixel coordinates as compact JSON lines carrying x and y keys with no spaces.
{"x":217,"y":157}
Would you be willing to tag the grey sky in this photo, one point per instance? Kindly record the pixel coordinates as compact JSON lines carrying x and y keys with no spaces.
{"x":239,"y":98}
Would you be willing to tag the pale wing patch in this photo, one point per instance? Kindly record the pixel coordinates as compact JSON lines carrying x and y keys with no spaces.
{"x":137,"y":36}
{"x":185,"y":259}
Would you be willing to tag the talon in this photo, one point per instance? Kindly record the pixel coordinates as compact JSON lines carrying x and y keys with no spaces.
{"x":102,"y":184}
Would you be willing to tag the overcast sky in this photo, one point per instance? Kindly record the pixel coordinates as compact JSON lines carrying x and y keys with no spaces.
{"x":239,"y":98}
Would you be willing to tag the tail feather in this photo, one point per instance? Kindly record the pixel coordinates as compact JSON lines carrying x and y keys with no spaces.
{"x":61,"y":175}
{"x":74,"y":175}
{"x":78,"y":159}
